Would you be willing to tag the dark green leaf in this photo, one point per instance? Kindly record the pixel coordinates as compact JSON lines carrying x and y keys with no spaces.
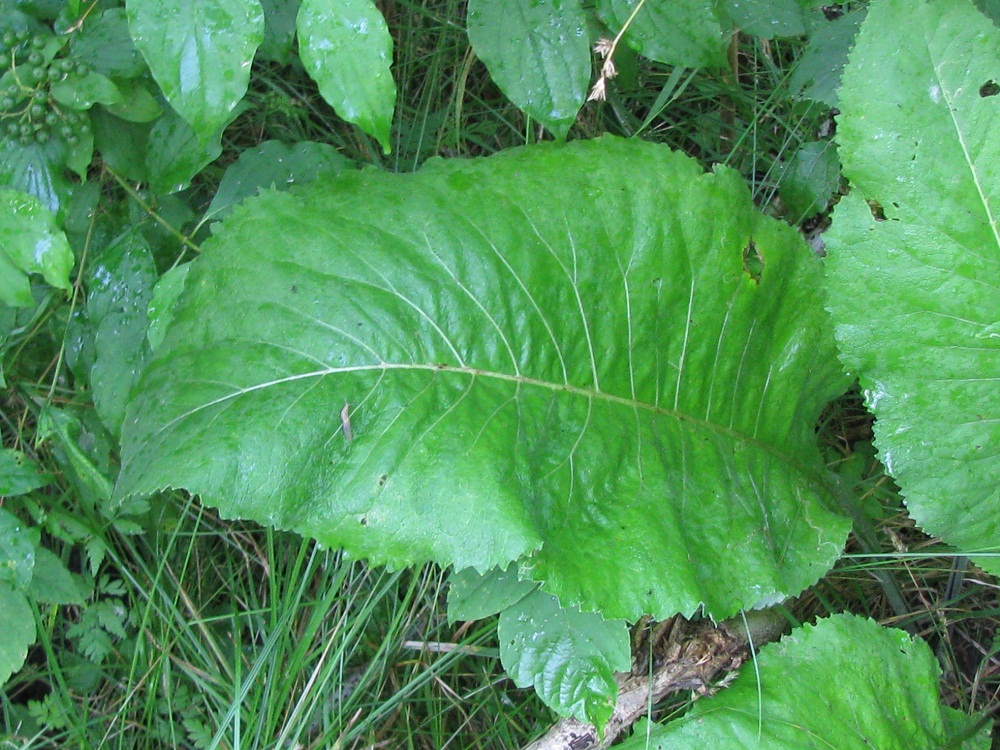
{"x":119,"y":288}
{"x":346,"y":48}
{"x":808,"y":180}
{"x":18,"y":543}
{"x":844,"y":683}
{"x":677,"y":32}
{"x":36,"y":170}
{"x":32,"y":241}
{"x":123,"y":144}
{"x":161,"y":304}
{"x":538,"y":53}
{"x":83,"y":92}
{"x":556,"y":350}
{"x":175,"y":153}
{"x":68,"y":435}
{"x":18,"y":626}
{"x":768,"y":18}
{"x":105,"y":45}
{"x":272,"y":164}
{"x":570,"y":657}
{"x":137,"y":105}
{"x":915,"y":259}
{"x":473,"y":596}
{"x":51,"y":582}
{"x":19,"y":474}
{"x":200,"y":54}
{"x":817,"y":74}
{"x":279,"y":30}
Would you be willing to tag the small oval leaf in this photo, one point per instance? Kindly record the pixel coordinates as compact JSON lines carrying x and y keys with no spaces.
{"x":200,"y":54}
{"x":538,"y":54}
{"x":346,"y":48}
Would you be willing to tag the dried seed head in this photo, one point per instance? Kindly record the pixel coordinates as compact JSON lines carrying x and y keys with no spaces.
{"x":603,"y":47}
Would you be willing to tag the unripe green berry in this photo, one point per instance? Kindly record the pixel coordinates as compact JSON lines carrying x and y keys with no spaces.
{"x":21,"y":35}
{"x":38,"y":42}
{"x":42,"y":136}
{"x":51,"y":118}
{"x":25,"y":129}
{"x":38,"y":74}
{"x":40,"y":96}
{"x":7,"y":104}
{"x":35,"y":58}
{"x":72,"y":140}
{"x":37,"y":110}
{"x":8,"y":39}
{"x":66,"y":65}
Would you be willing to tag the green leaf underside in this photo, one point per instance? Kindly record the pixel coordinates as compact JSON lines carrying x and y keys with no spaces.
{"x":199,"y":54}
{"x":346,"y":48}
{"x":915,"y":296}
{"x":676,"y":32}
{"x":547,"y":72}
{"x":473,"y":596}
{"x":569,"y":657}
{"x":844,"y":683}
{"x":552,"y":351}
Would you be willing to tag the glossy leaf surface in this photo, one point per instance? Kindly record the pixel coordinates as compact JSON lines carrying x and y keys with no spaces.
{"x":346,"y":48}
{"x":554,"y":352}
{"x":676,"y":32}
{"x":569,"y":657}
{"x":537,"y":53}
{"x":844,"y":683}
{"x":199,"y":53}
{"x":31,"y":242}
{"x":915,"y":258}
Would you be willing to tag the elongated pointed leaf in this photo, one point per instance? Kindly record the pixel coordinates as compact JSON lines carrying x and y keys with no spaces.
{"x":845,"y":683}
{"x":199,"y":51}
{"x":346,"y":48}
{"x":916,"y":296}
{"x":555,"y":351}
{"x":677,"y":32}
{"x":570,"y":657}
{"x":538,"y":54}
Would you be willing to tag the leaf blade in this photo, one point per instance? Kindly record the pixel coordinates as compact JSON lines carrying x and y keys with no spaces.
{"x":346,"y":48}
{"x":914,"y":295}
{"x":891,"y":701}
{"x":199,"y":53}
{"x":547,"y":73}
{"x":532,"y":396}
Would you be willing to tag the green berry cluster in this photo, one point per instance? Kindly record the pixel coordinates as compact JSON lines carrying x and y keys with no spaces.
{"x":28,"y":112}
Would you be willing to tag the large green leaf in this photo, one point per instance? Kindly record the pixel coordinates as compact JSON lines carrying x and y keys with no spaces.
{"x":916,"y":296}
{"x":346,"y":48}
{"x":554,"y":352}
{"x":845,"y":683}
{"x":547,"y":71}
{"x":200,"y":54}
{"x":677,"y":32}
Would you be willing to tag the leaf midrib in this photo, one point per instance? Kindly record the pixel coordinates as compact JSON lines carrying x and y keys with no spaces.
{"x":474,"y":372}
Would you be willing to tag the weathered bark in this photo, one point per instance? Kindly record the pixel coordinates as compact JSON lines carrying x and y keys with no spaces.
{"x":686,"y":655}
